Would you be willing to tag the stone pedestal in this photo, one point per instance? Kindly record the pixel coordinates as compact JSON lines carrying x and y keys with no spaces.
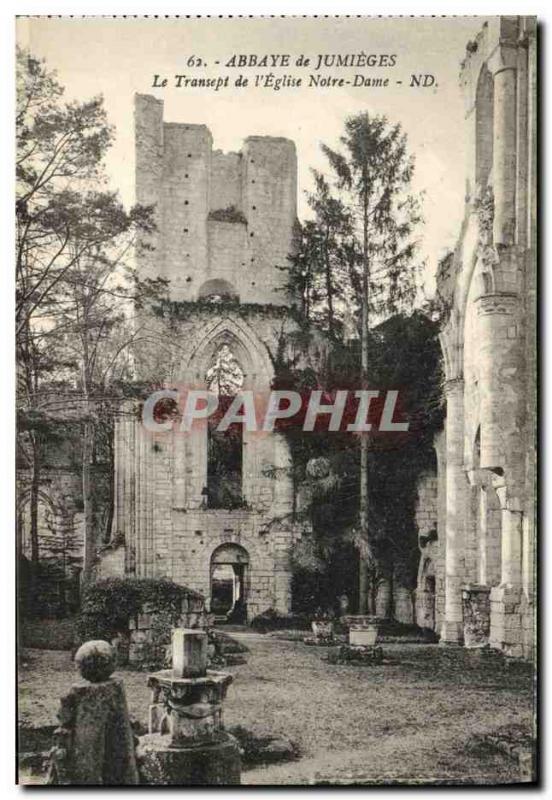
{"x":477,"y":615}
{"x":94,"y":744}
{"x":189,"y":708}
{"x":506,"y":630}
{"x":161,"y":764}
{"x":187,"y":743}
{"x":323,"y":634}
{"x":363,"y":630}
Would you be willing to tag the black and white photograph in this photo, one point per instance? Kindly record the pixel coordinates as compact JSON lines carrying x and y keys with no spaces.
{"x":276,"y":401}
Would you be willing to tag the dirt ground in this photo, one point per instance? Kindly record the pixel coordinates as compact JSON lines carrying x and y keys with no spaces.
{"x":412,"y":719}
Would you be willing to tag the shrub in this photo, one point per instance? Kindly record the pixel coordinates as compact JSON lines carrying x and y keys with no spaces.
{"x":272,"y":620}
{"x":109,"y":604}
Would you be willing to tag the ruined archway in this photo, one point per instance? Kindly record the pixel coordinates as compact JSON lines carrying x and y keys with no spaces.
{"x":229,"y":579}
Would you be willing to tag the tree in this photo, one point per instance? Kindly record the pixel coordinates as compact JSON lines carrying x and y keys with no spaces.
{"x":373,"y":173}
{"x":95,"y":334}
{"x":74,"y":282}
{"x":362,"y":244}
{"x":328,"y":233}
{"x":58,"y":145}
{"x":404,"y":351}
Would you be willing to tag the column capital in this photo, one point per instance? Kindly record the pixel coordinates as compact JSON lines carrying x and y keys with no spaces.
{"x":503,"y":57}
{"x":497,"y":303}
{"x":454,"y":385}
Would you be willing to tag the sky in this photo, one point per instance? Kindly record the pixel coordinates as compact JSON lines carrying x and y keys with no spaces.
{"x":118,"y":57}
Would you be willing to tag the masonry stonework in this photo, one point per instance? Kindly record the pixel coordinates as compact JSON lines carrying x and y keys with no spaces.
{"x":489,"y":347}
{"x":224,"y":229}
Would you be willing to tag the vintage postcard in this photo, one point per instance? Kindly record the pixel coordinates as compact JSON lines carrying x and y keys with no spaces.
{"x":276,"y":400}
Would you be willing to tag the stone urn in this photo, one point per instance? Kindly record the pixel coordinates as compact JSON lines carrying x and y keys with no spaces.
{"x":363,"y":629}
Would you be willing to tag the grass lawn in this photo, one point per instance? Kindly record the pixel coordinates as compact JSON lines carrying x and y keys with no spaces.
{"x":410,"y":719}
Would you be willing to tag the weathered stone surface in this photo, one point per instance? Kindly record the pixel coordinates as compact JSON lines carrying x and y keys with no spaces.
{"x":161,"y":764}
{"x":486,"y":471}
{"x":187,"y":743}
{"x":225,"y":226}
{"x":363,"y":630}
{"x":189,"y":653}
{"x":95,"y":660}
{"x":363,"y":638}
{"x":94,"y":745}
{"x":193,"y":706}
{"x":477,"y":621}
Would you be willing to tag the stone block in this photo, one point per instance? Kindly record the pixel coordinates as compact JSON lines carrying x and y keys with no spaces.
{"x":214,"y":765}
{"x":363,"y":637}
{"x":189,"y":653}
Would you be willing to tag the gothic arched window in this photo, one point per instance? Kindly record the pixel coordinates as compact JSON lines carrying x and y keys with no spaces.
{"x":225,"y":378}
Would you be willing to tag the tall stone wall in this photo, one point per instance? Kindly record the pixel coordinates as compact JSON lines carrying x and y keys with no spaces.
{"x":489,"y":346}
{"x":189,"y":184}
{"x":162,"y":526}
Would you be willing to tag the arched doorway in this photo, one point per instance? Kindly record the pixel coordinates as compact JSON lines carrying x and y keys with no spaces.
{"x":229,"y":583}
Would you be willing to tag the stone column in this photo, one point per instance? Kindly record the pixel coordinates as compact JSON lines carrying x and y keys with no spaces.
{"x":480,"y":481}
{"x":483,"y":535}
{"x":506,"y":633}
{"x":512,"y":531}
{"x":383,"y":598}
{"x":503,"y":66}
{"x":452,"y":629}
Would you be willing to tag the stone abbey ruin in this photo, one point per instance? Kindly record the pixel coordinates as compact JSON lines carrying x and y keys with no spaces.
{"x":225,"y":227}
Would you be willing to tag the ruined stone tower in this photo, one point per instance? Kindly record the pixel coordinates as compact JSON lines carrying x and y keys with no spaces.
{"x":224,"y":229}
{"x":222,"y":217}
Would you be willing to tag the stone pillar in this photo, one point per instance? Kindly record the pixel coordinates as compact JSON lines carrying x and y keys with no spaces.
{"x":512,"y":530}
{"x":506,"y":599}
{"x":483,"y":535}
{"x":481,"y":482}
{"x":451,"y":631}
{"x":403,"y":606}
{"x":383,"y":599}
{"x":94,"y":744}
{"x":503,"y":66}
